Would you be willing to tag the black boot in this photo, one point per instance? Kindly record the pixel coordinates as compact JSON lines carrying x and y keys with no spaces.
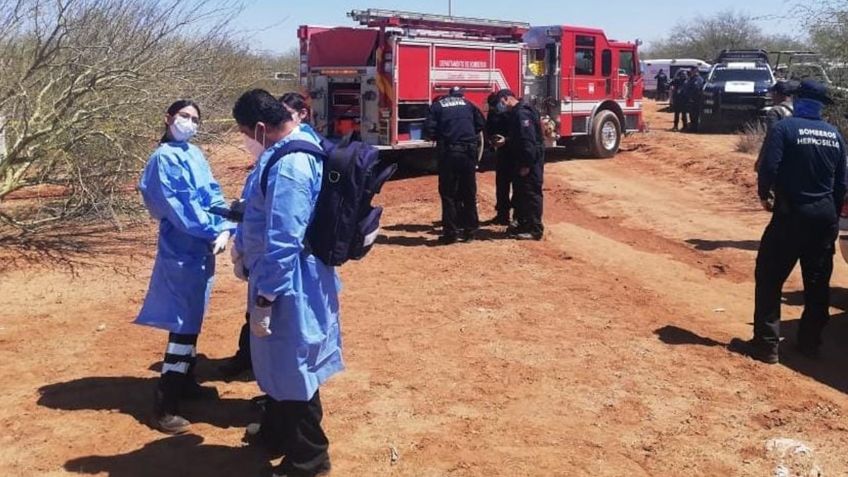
{"x":756,"y":349}
{"x":166,"y":404}
{"x":192,"y":390}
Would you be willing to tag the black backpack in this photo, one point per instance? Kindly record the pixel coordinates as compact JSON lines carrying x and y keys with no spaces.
{"x":345,"y":224}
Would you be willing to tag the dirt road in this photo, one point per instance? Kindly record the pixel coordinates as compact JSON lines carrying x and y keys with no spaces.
{"x":599,"y":351}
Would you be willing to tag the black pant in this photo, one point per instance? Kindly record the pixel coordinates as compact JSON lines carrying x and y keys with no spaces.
{"x":294,"y":427}
{"x":243,"y":353}
{"x":177,"y":371}
{"x":678,"y":114}
{"x":504,"y":172}
{"x":528,"y":198}
{"x":694,"y":115}
{"x":789,"y":237}
{"x":458,"y":189}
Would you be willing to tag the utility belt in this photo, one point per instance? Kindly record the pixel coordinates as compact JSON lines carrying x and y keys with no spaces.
{"x":459,"y":147}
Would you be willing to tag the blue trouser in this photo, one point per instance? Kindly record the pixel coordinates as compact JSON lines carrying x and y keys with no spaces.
{"x":788,"y":238}
{"x":528,"y":198}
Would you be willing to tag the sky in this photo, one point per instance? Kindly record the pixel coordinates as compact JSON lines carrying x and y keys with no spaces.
{"x":272,"y":24}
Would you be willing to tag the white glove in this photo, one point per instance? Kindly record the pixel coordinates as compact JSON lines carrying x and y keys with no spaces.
{"x":260,"y":321}
{"x":220,"y":243}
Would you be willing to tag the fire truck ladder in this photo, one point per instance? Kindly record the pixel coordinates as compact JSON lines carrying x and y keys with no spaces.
{"x":425,"y":21}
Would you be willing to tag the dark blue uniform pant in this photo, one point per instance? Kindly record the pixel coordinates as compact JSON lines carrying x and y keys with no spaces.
{"x":504,"y":172}
{"x":528,"y":199}
{"x":458,"y":189}
{"x":788,"y":238}
{"x":294,"y":427}
{"x":695,"y":114}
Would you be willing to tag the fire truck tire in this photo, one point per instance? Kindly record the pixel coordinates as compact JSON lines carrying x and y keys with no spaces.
{"x":606,"y":134}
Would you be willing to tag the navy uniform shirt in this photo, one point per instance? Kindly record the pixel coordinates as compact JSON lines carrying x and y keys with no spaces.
{"x":525,"y":140}
{"x":454,"y":120}
{"x":497,"y":123}
{"x":803,"y":161}
{"x":694,"y":88}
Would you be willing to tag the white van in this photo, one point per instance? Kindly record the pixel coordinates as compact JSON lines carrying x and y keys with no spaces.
{"x":650,"y":68}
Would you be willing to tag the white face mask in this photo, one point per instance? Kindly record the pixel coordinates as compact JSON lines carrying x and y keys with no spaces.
{"x":253,"y":146}
{"x":182,"y":129}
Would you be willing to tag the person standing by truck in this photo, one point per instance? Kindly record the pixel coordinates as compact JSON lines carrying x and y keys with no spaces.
{"x":526,"y":146}
{"x":694,"y":91}
{"x":781,"y":96}
{"x":662,"y":85}
{"x":678,"y":99}
{"x":496,"y":131}
{"x":802,"y":182}
{"x":455,"y":124}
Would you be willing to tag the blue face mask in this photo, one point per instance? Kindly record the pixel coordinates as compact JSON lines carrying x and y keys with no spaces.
{"x":501,"y":108}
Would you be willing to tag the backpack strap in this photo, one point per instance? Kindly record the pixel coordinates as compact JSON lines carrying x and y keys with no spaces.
{"x":297,"y":145}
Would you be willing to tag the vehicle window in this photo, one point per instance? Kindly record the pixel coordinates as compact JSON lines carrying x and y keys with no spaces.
{"x":585,"y":40}
{"x":725,"y":74}
{"x":606,"y":63}
{"x":802,"y":72}
{"x":625,"y":62}
{"x":584,"y":63}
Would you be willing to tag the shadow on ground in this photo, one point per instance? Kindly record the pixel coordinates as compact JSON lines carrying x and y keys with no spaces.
{"x":134,"y":397}
{"x":829,"y":369}
{"x":208,"y":370}
{"x":176,"y":456}
{"x":70,"y":247}
{"x":710,"y":245}
{"x":431,"y":234}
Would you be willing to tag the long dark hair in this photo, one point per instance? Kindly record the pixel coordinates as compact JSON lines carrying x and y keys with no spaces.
{"x":175,"y":108}
{"x":297,"y":102}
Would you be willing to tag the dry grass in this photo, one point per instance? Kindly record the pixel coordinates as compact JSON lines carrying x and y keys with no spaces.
{"x":751,"y":138}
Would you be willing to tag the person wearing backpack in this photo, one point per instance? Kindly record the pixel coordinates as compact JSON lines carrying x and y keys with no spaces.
{"x":295,"y":338}
{"x":295,"y":103}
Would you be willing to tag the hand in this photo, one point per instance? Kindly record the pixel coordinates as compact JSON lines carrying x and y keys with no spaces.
{"x":220,"y":243}
{"x":767,"y":204}
{"x":498,"y":140}
{"x":260,"y":321}
{"x":524,"y":171}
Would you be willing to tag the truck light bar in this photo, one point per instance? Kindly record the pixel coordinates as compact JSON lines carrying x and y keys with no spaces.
{"x":401,"y":19}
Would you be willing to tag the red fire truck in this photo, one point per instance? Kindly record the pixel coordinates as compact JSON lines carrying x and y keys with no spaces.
{"x":380,"y":78}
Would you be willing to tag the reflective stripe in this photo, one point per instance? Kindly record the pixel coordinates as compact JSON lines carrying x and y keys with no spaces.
{"x":180,"y":349}
{"x":181,"y":368}
{"x":370,"y":238}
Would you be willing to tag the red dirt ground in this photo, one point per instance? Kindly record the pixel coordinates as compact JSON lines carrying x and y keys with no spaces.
{"x":599,"y":351}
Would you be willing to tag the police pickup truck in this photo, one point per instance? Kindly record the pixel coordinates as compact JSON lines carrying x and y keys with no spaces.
{"x":736,"y":90}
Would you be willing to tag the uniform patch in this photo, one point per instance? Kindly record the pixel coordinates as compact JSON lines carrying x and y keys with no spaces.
{"x":525,"y":123}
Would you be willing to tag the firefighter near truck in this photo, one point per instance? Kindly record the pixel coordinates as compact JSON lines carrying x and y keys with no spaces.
{"x":380,"y":78}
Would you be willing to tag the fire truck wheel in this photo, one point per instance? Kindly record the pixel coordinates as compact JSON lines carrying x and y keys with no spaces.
{"x":606,"y":134}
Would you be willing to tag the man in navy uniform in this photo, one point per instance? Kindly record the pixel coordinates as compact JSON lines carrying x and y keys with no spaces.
{"x":802,"y":182}
{"x":526,"y":147}
{"x":497,"y":124}
{"x":694,"y":90}
{"x":455,"y":124}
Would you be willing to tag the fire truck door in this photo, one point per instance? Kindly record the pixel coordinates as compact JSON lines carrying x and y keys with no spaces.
{"x":589,"y":85}
{"x":318,"y":94}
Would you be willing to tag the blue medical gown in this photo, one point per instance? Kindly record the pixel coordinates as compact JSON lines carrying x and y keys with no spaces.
{"x":304,"y":349}
{"x":178,"y":190}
